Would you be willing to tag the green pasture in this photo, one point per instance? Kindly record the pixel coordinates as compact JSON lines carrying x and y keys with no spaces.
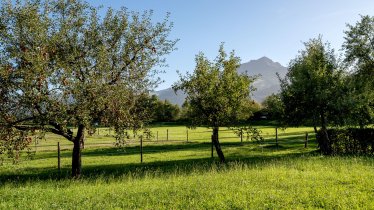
{"x":177,"y":174}
{"x":105,"y":137}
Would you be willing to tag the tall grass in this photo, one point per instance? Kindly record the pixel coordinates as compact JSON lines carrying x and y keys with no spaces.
{"x":180,"y":175}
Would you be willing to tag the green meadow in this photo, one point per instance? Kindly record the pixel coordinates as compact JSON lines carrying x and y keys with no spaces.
{"x":176,"y":174}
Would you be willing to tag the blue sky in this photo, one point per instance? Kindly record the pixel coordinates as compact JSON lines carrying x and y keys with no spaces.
{"x":272,"y":28}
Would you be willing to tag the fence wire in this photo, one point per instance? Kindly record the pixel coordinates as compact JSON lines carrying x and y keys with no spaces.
{"x":104,"y":138}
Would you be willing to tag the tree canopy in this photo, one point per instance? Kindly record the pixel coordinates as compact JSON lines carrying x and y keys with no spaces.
{"x":313,"y":86}
{"x":62,"y":66}
{"x":216,"y":94}
{"x":164,"y":111}
{"x":274,"y":107}
{"x":359,"y":56}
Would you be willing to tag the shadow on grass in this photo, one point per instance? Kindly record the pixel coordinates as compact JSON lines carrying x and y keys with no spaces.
{"x":248,"y":155}
{"x":147,"y":149}
{"x":140,"y":170}
{"x":172,"y":146}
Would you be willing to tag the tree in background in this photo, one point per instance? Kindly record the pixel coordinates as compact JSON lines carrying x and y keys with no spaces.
{"x":313,"y":87}
{"x":164,"y":111}
{"x":184,"y":116}
{"x":359,"y":55}
{"x":252,"y":110}
{"x":274,"y":107}
{"x":216,"y":93}
{"x":61,"y":65}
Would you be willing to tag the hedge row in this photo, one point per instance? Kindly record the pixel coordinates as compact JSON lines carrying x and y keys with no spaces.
{"x":346,"y":141}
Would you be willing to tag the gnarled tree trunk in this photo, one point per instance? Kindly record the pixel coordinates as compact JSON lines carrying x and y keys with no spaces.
{"x":217,"y":145}
{"x":76,"y":165}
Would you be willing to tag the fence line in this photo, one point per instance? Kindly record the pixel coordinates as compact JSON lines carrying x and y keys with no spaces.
{"x":187,"y":135}
{"x":184,"y":136}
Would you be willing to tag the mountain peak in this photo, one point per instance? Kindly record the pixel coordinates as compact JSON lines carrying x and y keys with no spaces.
{"x":266,"y":59}
{"x":262,"y":60}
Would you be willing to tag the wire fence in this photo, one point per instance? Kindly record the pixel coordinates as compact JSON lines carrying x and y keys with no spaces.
{"x":105,"y":138}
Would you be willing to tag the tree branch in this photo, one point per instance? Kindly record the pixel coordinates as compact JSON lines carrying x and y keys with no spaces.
{"x":22,"y":120}
{"x":59,"y":130}
{"x":68,"y":135}
{"x":116,"y":78}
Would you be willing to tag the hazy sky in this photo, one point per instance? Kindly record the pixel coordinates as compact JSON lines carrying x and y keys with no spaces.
{"x":272,"y":28}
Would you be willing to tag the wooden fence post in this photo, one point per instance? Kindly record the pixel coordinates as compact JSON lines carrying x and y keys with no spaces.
{"x":35,"y":144}
{"x":241,"y":135}
{"x":58,"y":157}
{"x":141,"y":149}
{"x":167,"y":134}
{"x":212,"y":145}
{"x":276,"y":136}
{"x":157,"y":136}
{"x":187,"y":134}
{"x":306,"y":140}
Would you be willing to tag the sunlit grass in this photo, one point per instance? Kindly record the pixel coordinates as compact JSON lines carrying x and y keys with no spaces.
{"x":181,"y":175}
{"x":104,"y":137}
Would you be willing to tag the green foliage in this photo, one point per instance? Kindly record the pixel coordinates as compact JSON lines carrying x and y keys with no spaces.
{"x":184,"y":113}
{"x":148,"y":134}
{"x":274,"y":107}
{"x":347,"y":141}
{"x":216,"y":94}
{"x":164,"y":111}
{"x":313,"y":87}
{"x":62,"y":65}
{"x":121,"y":139}
{"x":13,"y":141}
{"x":250,"y":133}
{"x":251,"y":111}
{"x":359,"y":47}
{"x":124,"y":140}
{"x":359,"y":55}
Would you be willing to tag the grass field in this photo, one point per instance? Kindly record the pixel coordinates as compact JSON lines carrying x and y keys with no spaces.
{"x":177,"y":174}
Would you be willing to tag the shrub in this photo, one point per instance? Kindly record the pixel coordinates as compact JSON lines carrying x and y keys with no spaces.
{"x":347,"y":141}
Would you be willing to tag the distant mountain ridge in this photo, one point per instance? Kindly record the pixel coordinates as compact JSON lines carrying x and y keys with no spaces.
{"x":266,"y":84}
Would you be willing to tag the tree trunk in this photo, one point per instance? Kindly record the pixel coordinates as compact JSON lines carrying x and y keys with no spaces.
{"x":314,"y":124}
{"x":76,"y":164}
{"x":315,"y":129}
{"x":82,"y":140}
{"x":326,"y":142}
{"x":217,"y":145}
{"x":323,"y":120}
{"x":361,"y":124}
